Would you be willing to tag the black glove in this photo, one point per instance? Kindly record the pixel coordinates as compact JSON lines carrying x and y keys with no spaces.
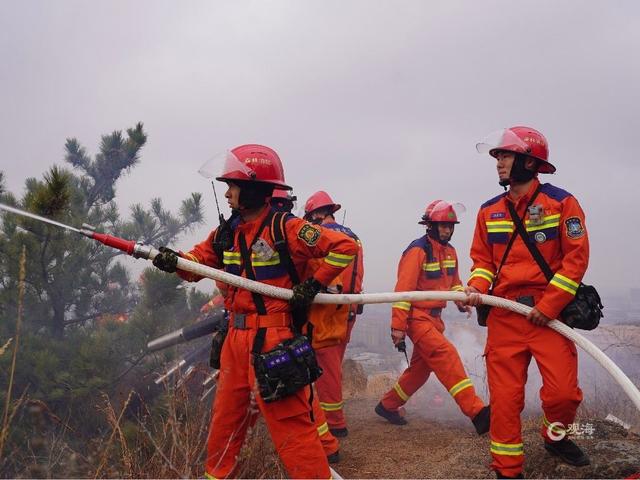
{"x":166,"y":260}
{"x":304,"y":293}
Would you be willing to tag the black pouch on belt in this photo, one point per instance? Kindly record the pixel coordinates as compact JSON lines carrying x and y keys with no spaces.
{"x":287,"y":368}
{"x":217,"y":340}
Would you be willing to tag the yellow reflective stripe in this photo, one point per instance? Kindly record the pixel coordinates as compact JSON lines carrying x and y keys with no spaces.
{"x":231,"y":258}
{"x":192,"y":257}
{"x":401,"y":305}
{"x":275,"y":260}
{"x":323,"y":429}
{"x":431,"y":267}
{"x":564,"y":283}
{"x":457,"y":288}
{"x":331,"y":407}
{"x":209,"y":476}
{"x":507,"y":448}
{"x":449,"y":263}
{"x":500,"y":226}
{"x":461,"y":385}
{"x":547,"y":222}
{"x":482,"y":273}
{"x":234,"y":258}
{"x":401,"y":393}
{"x":338,"y":259}
{"x":554,"y":428}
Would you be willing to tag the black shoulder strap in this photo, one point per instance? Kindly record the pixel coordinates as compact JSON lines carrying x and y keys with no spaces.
{"x":428,"y":249}
{"x":280,"y":242}
{"x":516,"y":219}
{"x":533,"y":249}
{"x":354,"y":274}
{"x":258,"y":341}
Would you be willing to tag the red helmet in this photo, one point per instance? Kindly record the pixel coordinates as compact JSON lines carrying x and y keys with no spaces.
{"x":442,"y":211}
{"x":318,"y":200}
{"x":252,"y":163}
{"x":523,"y":140}
{"x":283,"y":200}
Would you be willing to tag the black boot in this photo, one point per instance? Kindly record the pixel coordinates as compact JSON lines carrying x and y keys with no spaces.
{"x":334,"y":457}
{"x":392,"y":417}
{"x":482,"y":420}
{"x":339,"y":432}
{"x":568,"y":452}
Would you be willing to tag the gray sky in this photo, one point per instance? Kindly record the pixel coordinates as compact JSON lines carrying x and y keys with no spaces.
{"x":378,"y":102}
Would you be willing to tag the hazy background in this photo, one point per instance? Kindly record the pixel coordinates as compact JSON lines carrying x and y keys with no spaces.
{"x":378,"y":102}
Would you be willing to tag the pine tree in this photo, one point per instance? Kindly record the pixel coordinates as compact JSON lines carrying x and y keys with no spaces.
{"x":72,"y":280}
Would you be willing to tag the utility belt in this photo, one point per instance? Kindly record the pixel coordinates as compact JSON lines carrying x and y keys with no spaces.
{"x":246,"y":321}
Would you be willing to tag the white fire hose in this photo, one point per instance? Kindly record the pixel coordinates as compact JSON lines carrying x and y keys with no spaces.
{"x":364,"y":298}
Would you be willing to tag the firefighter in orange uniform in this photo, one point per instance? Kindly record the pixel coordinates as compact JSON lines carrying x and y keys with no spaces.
{"x":284,"y":201}
{"x":319,"y":210}
{"x":262,"y":327}
{"x":430,"y":263}
{"x":555,"y":223}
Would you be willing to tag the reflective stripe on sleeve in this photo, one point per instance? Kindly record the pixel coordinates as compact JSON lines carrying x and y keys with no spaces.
{"x":482,"y":273}
{"x":402,"y":305}
{"x":564,"y":283}
{"x":338,"y":259}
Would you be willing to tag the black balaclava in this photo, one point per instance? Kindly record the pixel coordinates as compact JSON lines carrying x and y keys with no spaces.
{"x":432,"y":231}
{"x":253,"y":195}
{"x":519,"y":173}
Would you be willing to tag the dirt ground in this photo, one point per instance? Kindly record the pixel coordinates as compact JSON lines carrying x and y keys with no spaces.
{"x":430,"y":449}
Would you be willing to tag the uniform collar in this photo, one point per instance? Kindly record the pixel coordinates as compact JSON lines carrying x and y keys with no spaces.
{"x":527,"y":196}
{"x":248,"y":226}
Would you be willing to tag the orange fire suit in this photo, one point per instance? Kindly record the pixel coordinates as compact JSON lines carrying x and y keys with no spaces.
{"x":428,"y":265}
{"x":330,"y":358}
{"x":293,"y":433}
{"x":556,"y":223}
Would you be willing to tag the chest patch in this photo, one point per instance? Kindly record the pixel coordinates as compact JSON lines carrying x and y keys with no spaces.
{"x":574,"y":227}
{"x":309,"y":234}
{"x":495,"y":215}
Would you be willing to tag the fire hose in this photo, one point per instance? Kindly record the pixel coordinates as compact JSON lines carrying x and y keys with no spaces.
{"x":140,"y":250}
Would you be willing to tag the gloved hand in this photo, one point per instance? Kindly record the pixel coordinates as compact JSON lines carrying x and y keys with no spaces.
{"x":166,"y":260}
{"x":304,"y":293}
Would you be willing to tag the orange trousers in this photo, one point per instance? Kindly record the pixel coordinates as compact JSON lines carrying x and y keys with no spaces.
{"x":511,"y":342}
{"x":432,"y":352}
{"x":329,"y":385}
{"x":288,"y":420}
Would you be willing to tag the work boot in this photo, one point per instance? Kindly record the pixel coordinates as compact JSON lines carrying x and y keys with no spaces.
{"x":339,"y":432}
{"x":568,"y":452}
{"x":499,"y":475}
{"x":334,"y":457}
{"x":392,"y":417}
{"x":482,"y":420}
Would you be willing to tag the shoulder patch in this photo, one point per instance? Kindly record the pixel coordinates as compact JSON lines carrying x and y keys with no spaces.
{"x":575,"y":229}
{"x":309,"y":234}
{"x":493,"y":201}
{"x":342,"y":229}
{"x":554,"y":192}
{"x":417,"y":243}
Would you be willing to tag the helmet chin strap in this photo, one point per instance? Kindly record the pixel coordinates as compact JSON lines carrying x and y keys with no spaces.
{"x":519,"y":173}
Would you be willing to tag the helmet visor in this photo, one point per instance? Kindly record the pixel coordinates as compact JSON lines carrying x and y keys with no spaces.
{"x":446,"y":211}
{"x":503,"y":139}
{"x":226,"y":166}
